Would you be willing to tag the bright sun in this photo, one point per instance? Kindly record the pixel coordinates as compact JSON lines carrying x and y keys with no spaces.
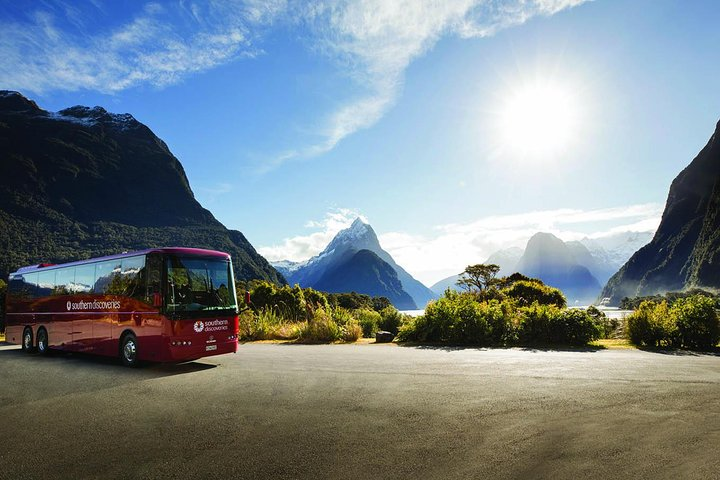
{"x":538,"y":121}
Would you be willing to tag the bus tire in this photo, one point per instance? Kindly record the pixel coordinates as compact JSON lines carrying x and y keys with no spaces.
{"x":42,"y":341}
{"x":27,"y":340}
{"x":129,"y":350}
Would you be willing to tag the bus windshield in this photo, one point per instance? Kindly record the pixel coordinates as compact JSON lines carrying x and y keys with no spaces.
{"x":199,"y":284}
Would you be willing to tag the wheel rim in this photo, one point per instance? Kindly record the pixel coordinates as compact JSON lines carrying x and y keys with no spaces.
{"x":42,"y":341}
{"x":129,"y":350}
{"x":27,"y":340}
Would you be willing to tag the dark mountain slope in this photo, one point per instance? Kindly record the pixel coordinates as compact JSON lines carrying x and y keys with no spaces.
{"x":367,"y":273}
{"x":83,"y":182}
{"x":685,"y":251}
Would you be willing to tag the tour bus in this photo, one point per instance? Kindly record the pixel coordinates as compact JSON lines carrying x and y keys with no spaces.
{"x":161,"y":305}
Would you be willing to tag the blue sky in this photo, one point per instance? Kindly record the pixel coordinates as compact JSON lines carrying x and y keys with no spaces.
{"x":426,"y":118}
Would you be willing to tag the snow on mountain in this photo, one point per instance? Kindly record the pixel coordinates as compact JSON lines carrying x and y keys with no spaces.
{"x":359,"y":236}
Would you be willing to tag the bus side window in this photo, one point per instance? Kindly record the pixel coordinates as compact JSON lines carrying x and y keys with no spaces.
{"x":153,"y":268}
{"x":84,"y":279}
{"x":133,"y":273}
{"x":108,"y":279}
{"x":46,"y":283}
{"x":64,"y":280}
{"x":30,"y":286}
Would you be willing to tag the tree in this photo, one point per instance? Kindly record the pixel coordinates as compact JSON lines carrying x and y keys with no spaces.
{"x":478,"y":277}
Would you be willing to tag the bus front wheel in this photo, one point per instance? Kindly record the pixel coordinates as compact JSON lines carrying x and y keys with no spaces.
{"x":129,"y":350}
{"x":42,"y":341}
{"x":27,"y":340}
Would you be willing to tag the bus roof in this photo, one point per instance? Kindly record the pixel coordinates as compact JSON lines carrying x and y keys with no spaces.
{"x":170,"y":250}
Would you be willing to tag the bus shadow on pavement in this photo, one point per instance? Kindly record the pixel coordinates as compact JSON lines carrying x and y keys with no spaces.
{"x":101,"y":364}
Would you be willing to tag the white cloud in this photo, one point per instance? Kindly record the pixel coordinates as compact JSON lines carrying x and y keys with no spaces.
{"x":159,"y":46}
{"x":454,"y":246}
{"x":375,"y":41}
{"x":451,"y":247}
{"x":371,"y":41}
{"x":302,"y":247}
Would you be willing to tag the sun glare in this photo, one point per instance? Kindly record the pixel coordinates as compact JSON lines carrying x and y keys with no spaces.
{"x":538,"y":121}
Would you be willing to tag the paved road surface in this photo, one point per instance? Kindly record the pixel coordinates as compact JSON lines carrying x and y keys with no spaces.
{"x":363,"y":411}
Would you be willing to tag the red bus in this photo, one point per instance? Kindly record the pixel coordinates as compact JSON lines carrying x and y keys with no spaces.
{"x":162,"y":305}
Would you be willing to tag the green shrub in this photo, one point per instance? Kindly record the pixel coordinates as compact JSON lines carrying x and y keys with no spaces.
{"x":341,"y":316}
{"x":351,"y":331}
{"x":534,"y":323}
{"x":320,"y":328}
{"x":458,"y":318}
{"x":696,"y":319}
{"x":651,"y":325}
{"x":390,"y":319}
{"x":551,"y":325}
{"x":369,"y":321}
{"x":527,"y":292}
{"x":608,"y":326}
{"x":573,"y":327}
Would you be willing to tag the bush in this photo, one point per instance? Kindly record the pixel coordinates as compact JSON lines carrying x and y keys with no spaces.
{"x":266,"y":324}
{"x":697,"y":323}
{"x":351,"y":331}
{"x":651,"y":325}
{"x":390,"y":319}
{"x":527,"y":292}
{"x":574,"y":327}
{"x":534,"y":323}
{"x":458,"y":318}
{"x":320,"y":328}
{"x":608,"y":326}
{"x":369,"y":321}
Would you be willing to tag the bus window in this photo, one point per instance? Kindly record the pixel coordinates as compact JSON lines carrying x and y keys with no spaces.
{"x":84,"y":279}
{"x":31,"y":286}
{"x":153,"y":296}
{"x":107,"y":278}
{"x":46,"y":283}
{"x":132,"y":274}
{"x":64,"y":280}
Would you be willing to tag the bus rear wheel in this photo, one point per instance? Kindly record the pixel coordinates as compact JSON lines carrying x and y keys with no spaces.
{"x":129,"y":350}
{"x":27,"y":340}
{"x":42,"y":341}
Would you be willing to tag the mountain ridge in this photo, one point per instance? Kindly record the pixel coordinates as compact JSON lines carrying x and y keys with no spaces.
{"x":83,"y":182}
{"x":344,"y":245}
{"x":685,"y":250}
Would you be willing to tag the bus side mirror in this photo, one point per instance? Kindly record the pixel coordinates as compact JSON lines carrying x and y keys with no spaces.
{"x":157,"y":300}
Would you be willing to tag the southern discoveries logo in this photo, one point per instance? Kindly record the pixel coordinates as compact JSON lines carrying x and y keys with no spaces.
{"x":210,"y":326}
{"x":94,"y":305}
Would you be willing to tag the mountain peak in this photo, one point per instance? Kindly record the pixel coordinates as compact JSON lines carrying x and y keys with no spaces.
{"x":358,"y":223}
{"x":15,"y":101}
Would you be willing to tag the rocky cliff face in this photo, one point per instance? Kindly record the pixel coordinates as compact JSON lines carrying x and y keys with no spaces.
{"x":84,"y":182}
{"x":685,"y":251}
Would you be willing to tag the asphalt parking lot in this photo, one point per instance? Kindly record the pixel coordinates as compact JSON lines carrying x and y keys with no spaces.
{"x":363,"y":411}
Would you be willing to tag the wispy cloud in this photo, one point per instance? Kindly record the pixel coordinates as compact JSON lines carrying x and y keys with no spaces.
{"x":376,"y":40}
{"x":371,"y":41}
{"x":453,"y":246}
{"x":159,"y":46}
{"x":449,"y":248}
{"x":302,"y":247}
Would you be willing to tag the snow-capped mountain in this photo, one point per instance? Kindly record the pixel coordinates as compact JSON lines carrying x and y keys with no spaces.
{"x":346,"y":244}
{"x":614,"y":250}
